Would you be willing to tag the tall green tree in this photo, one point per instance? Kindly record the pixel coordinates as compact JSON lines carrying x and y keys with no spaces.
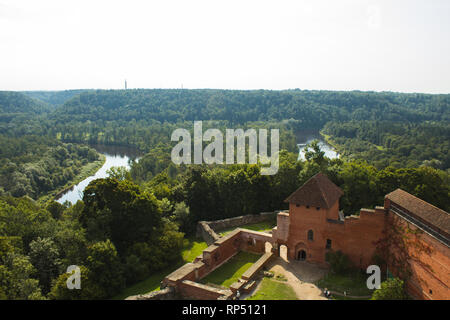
{"x":44,"y":256}
{"x":121,"y":212}
{"x":391,"y":289}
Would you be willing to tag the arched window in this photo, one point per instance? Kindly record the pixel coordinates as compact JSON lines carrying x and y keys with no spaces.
{"x":310,"y":235}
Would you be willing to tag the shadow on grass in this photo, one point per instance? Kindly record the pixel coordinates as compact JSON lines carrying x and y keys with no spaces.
{"x":273,"y":290}
{"x":232,"y":270}
{"x":353,"y":283}
{"x":192,"y":247}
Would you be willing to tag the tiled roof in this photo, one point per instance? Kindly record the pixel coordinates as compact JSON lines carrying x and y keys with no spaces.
{"x":427,"y":212}
{"x":318,"y":191}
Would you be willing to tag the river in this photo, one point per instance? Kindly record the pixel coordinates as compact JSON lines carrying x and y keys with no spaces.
{"x":115,"y":157}
{"x":121,"y":157}
{"x":307,"y":136}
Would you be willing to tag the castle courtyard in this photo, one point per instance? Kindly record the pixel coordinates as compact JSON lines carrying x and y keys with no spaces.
{"x":299,"y":275}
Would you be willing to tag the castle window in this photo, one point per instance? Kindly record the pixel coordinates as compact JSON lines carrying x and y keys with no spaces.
{"x":307,"y":207}
{"x":328,"y":246}
{"x":317,"y":208}
{"x":310,"y":235}
{"x":431,"y":291}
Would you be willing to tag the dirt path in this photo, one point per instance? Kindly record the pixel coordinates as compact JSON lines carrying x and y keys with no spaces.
{"x":301,"y":276}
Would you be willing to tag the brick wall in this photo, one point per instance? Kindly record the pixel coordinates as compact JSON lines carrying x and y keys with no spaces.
{"x":207,"y":229}
{"x":354,"y":236}
{"x":254,"y":241}
{"x":428,"y":260}
{"x":198,"y":291}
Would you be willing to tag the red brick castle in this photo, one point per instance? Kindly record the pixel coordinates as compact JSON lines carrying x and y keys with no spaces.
{"x":407,"y":236}
{"x":411,"y":235}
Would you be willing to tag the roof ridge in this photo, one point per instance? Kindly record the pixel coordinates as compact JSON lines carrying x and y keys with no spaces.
{"x":317,"y":191}
{"x":421,"y":200}
{"x":321,"y":190}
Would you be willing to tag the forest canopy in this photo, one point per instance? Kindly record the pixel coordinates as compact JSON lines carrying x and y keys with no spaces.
{"x":131,"y":225}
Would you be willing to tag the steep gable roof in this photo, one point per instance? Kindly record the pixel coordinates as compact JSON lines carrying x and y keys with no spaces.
{"x":318,"y":191}
{"x":422,"y":209}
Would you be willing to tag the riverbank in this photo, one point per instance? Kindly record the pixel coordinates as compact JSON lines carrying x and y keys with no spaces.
{"x":86,"y":171}
{"x":330,"y":141}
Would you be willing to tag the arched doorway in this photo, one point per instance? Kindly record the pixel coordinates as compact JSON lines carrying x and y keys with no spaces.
{"x":300,"y":252}
{"x":283,"y":252}
{"x":301,"y":255}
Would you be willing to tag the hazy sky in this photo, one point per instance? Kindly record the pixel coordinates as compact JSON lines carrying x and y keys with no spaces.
{"x":392,"y":45}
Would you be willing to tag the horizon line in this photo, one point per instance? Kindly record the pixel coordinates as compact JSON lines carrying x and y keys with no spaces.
{"x":228,"y":89}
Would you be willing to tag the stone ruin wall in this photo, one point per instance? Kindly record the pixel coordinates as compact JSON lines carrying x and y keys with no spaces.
{"x":207,"y":229}
{"x":185,"y":280}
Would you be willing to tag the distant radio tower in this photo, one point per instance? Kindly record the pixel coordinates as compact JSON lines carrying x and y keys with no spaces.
{"x":125,"y":84}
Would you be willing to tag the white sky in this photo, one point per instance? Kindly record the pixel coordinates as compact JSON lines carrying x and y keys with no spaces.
{"x":392,"y":45}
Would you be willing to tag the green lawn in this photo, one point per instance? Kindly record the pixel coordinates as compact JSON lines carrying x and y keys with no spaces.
{"x":274,"y":290}
{"x":354,"y":284}
{"x":336,"y":297}
{"x":260,"y":226}
{"x":192,"y":248}
{"x":232,"y":270}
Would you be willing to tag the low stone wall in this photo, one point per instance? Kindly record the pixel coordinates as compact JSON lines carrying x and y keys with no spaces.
{"x":164,"y":294}
{"x":193,"y":290}
{"x":255,"y":241}
{"x":185,"y":279}
{"x":207,"y":229}
{"x":257,"y":266}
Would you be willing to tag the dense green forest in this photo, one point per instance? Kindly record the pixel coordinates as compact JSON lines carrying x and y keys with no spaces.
{"x":397,"y":144}
{"x":136,"y":117}
{"x":53,"y":98}
{"x":36,"y":165}
{"x":310,"y":108}
{"x":116,"y":236}
{"x":123,"y":232}
{"x":132,"y":224}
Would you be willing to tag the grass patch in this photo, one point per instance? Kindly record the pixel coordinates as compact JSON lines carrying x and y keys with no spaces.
{"x":336,"y":297}
{"x":273,"y":290}
{"x":192,"y":247}
{"x":260,"y":226}
{"x":280,"y":277}
{"x":354,"y":284}
{"x":232,"y":270}
{"x":150,"y":284}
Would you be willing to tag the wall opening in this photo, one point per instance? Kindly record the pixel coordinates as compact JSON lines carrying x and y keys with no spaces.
{"x":268,"y":247}
{"x":301,"y":255}
{"x":284,"y":252}
{"x":310,"y":235}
